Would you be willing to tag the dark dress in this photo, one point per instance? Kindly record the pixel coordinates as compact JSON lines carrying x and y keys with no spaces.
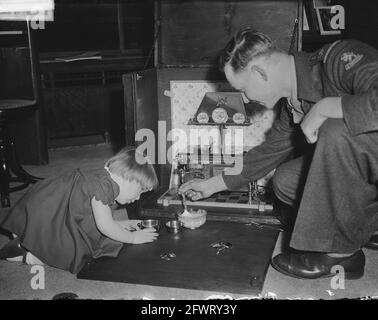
{"x":55,"y":222}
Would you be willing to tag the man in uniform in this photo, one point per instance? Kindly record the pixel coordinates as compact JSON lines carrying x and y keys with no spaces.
{"x":332,"y":102}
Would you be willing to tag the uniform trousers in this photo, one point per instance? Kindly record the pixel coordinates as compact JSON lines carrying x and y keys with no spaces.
{"x":335,"y":190}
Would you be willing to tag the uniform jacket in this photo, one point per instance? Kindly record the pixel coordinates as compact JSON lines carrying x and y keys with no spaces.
{"x":346,"y":69}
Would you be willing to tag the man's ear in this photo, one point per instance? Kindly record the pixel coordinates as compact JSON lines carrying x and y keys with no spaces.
{"x":260,"y":71}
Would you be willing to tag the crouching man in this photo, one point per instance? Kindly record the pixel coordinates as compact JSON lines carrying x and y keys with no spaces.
{"x":332,"y":102}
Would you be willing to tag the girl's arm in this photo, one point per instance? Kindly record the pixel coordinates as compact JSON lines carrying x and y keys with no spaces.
{"x":110,"y":228}
{"x":129,"y":224}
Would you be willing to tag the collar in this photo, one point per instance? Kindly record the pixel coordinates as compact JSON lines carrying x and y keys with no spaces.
{"x":308,"y":78}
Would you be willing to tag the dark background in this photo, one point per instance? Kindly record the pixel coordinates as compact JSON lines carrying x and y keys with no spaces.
{"x":83,"y":102}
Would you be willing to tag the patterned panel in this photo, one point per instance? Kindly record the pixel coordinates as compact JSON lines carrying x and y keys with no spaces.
{"x":186,"y":97}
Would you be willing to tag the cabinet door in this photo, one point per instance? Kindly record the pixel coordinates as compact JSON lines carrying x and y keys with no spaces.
{"x":141,"y":111}
{"x":141,"y":105}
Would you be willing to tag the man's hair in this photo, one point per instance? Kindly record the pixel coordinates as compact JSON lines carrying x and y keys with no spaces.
{"x":245,"y":45}
{"x":132,"y":165}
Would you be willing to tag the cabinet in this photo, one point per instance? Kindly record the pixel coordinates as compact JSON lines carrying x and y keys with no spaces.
{"x":84,"y":99}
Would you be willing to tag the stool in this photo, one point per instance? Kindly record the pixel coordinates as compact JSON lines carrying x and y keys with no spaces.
{"x":10,"y":168}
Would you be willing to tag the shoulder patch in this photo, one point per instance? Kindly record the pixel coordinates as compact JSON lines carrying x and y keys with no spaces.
{"x":317,"y":56}
{"x":350,"y":59}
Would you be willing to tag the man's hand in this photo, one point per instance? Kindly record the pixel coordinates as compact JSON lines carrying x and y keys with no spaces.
{"x":199,"y":188}
{"x":329,"y":107}
{"x":312,"y":122}
{"x":196,"y":189}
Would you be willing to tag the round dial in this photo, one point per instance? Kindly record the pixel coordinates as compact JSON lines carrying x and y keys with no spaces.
{"x":238,"y":118}
{"x":219,"y":115}
{"x":203,"y":117}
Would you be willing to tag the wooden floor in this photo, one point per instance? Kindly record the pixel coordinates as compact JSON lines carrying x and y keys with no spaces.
{"x":15,"y":279}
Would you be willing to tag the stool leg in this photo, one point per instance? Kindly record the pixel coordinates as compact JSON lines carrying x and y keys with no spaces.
{"x":10,"y":164}
{"x":16,"y":168}
{"x":4,"y":178}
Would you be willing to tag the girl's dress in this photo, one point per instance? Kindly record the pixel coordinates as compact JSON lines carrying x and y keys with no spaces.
{"x":55,"y":222}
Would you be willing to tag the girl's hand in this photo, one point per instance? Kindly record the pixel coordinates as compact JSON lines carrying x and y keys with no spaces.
{"x":130,"y":225}
{"x":144,"y":236}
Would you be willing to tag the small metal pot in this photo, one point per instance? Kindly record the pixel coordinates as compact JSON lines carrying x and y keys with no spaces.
{"x":150,"y":223}
{"x":174,"y":226}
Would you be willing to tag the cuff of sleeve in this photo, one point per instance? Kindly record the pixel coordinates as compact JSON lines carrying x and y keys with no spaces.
{"x":358,"y":117}
{"x":234,"y":182}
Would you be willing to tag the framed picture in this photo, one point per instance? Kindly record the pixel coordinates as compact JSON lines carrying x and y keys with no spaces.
{"x":325,"y":16}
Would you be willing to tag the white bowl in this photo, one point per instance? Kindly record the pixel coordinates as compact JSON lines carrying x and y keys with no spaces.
{"x":195,"y":220}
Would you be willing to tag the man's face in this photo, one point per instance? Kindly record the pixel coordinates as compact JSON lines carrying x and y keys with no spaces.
{"x":251,"y":83}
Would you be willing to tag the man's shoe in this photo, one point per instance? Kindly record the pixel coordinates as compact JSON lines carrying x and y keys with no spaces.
{"x":372,"y":243}
{"x":313,"y":265}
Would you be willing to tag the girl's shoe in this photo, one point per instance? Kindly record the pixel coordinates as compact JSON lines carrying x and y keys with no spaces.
{"x":372,"y":243}
{"x":13,"y":249}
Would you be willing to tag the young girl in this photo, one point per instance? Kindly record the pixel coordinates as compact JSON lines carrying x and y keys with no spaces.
{"x":66,"y":221}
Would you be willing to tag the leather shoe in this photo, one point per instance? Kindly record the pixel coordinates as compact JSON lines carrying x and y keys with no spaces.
{"x":12,"y":249}
{"x":313,"y":265}
{"x":372,"y":243}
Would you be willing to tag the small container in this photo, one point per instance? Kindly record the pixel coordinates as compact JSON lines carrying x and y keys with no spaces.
{"x":195,"y":220}
{"x":174,"y":226}
{"x":150,"y":223}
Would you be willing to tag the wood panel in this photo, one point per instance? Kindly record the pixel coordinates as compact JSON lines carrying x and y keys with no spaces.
{"x":83,"y":110}
{"x":194,"y":32}
{"x":141,"y":104}
{"x":165,"y":75}
{"x":15,"y":73}
{"x":240,"y":269}
{"x":151,"y":209}
{"x":141,"y":110}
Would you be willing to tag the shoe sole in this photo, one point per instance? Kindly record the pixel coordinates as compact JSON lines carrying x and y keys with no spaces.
{"x":11,"y":250}
{"x":347,"y":275}
{"x":371,"y":247}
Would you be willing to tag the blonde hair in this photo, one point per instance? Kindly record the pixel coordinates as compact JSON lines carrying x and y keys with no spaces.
{"x":132,"y":165}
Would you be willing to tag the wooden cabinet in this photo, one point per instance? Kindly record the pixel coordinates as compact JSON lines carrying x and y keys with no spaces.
{"x":147,"y":102}
{"x":85,"y":98}
{"x":190,"y":37}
